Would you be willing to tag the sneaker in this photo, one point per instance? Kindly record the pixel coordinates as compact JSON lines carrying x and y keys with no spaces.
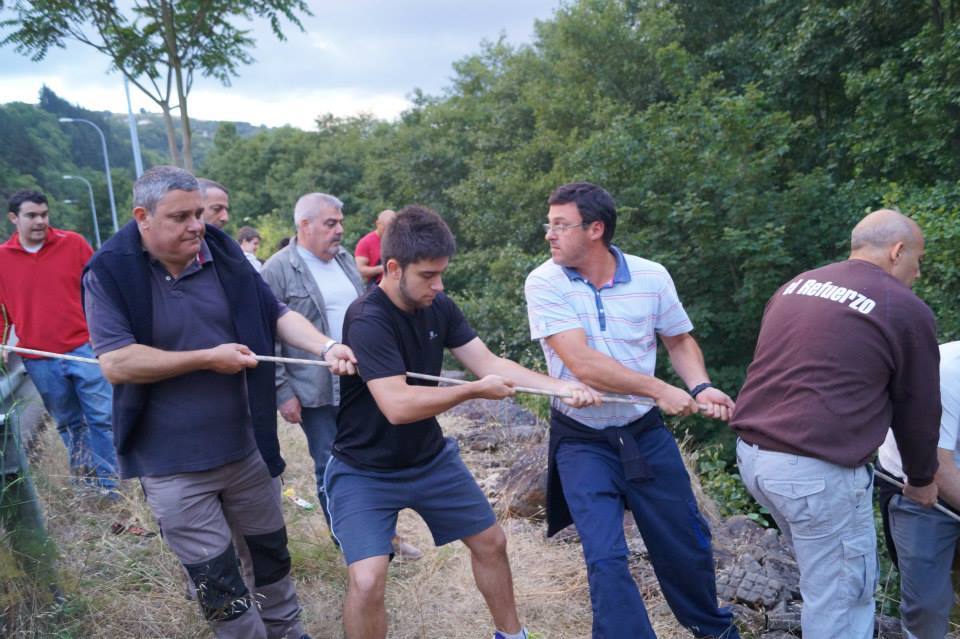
{"x":499,"y":635}
{"x":405,"y":551}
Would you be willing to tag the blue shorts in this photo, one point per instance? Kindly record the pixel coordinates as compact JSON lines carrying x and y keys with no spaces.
{"x":364,"y":504}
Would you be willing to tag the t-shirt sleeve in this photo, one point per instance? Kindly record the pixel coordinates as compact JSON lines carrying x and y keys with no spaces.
{"x":547,"y":310}
{"x":109,"y":328}
{"x":460,"y":332}
{"x":374,"y":343}
{"x":950,"y":403}
{"x":363,"y":248}
{"x":671,"y":318}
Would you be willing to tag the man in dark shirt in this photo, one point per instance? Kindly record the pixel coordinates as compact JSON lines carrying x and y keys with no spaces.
{"x":845,"y":352}
{"x":390,"y":453}
{"x":176,"y":314}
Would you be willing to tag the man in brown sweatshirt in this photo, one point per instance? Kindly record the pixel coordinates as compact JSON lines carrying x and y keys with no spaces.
{"x":845,"y":352}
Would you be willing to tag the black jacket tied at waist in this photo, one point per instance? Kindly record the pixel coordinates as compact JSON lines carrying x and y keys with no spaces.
{"x":621,"y":438}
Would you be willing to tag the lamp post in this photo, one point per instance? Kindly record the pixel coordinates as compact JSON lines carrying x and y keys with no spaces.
{"x":93,"y":206}
{"x":106,"y":168}
{"x":134,"y":138}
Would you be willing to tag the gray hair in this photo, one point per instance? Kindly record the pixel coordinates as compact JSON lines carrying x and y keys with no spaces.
{"x":312,"y":203}
{"x":206,"y":185}
{"x":150,"y":187}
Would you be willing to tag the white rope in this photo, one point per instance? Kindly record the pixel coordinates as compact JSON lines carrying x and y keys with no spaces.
{"x":615,"y":399}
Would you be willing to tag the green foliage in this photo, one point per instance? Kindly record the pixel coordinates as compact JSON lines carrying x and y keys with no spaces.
{"x":723,"y":485}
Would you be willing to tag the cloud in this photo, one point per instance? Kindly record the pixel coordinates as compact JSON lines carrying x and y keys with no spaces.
{"x":353,"y":56}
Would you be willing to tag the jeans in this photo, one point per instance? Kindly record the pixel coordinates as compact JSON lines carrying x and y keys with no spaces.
{"x":320,"y":426}
{"x":825,"y":512}
{"x":926,"y":540}
{"x":677,"y":536}
{"x":80,"y":400}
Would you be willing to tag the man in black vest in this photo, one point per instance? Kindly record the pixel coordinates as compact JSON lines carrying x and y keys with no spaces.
{"x":176,"y":314}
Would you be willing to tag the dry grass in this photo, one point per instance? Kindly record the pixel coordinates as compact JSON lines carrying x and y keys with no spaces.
{"x":124,"y":585}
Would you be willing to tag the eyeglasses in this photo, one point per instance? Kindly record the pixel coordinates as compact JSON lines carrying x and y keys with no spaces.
{"x":557,"y":229}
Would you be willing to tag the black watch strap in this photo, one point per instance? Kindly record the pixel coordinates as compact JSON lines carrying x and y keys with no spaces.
{"x":699,"y":388}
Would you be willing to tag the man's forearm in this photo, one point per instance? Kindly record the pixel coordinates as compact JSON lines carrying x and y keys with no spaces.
{"x":296,"y":330}
{"x":424,"y":402}
{"x":948,"y":479}
{"x":687,"y":359}
{"x":139,"y":364}
{"x":607,"y":375}
{"x":520,"y":375}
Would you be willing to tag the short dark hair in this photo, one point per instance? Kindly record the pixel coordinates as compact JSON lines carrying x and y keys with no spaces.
{"x":417,"y":233}
{"x":159,"y":180}
{"x":247,"y":233}
{"x":593,"y":202}
{"x":26,"y":195}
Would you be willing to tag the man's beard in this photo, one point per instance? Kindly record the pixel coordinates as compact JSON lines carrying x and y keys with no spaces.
{"x":408,"y":299}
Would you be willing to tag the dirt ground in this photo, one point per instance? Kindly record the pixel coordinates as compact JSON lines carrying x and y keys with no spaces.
{"x":128,"y":585}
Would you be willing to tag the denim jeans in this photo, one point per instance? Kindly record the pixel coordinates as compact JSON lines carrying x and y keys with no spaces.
{"x":80,"y":400}
{"x":926,"y":540}
{"x":676,"y":534}
{"x":320,"y":426}
{"x":825,"y":512}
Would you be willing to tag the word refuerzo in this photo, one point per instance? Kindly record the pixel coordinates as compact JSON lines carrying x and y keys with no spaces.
{"x":830,"y":291}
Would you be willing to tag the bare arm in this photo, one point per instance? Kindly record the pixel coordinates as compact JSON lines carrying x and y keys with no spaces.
{"x":367,"y":271}
{"x":139,"y":364}
{"x":604,"y":373}
{"x":296,"y":330}
{"x":403,"y":403}
{"x":687,"y":360}
{"x":477,"y":357}
{"x":947,"y":478}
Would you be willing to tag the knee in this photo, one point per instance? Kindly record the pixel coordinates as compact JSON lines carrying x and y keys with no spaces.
{"x":269,"y":555}
{"x":491,"y":543}
{"x":220,"y":589}
{"x":368,"y":583}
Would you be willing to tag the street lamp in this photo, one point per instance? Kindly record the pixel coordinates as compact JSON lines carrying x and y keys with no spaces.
{"x":93,"y":207}
{"x":106,"y":167}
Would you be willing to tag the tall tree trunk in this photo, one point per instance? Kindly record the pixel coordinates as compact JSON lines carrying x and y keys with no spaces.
{"x":171,"y":135}
{"x":170,"y":38}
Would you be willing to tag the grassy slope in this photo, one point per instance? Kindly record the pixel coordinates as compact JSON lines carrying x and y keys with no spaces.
{"x":123,"y":585}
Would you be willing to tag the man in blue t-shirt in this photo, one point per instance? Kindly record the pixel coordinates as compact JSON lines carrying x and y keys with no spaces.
{"x":390,"y":453}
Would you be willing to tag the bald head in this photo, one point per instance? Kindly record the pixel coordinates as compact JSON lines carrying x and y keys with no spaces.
{"x":890,"y":240}
{"x":383,"y":219}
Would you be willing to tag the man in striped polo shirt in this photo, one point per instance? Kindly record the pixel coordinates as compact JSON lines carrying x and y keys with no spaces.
{"x":597,"y":313}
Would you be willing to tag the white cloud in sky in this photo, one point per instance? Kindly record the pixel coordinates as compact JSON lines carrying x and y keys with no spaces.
{"x":354,"y":56}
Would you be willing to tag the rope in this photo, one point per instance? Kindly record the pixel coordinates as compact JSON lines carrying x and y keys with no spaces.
{"x":891,"y":480}
{"x":615,"y":399}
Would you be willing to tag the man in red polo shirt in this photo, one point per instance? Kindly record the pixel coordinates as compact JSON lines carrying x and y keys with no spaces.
{"x":40,"y":269}
{"x":367,"y":253}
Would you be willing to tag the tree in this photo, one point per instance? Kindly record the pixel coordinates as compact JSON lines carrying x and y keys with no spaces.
{"x":159,"y":45}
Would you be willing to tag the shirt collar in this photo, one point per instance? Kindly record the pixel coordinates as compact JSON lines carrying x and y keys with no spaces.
{"x":621,"y":275}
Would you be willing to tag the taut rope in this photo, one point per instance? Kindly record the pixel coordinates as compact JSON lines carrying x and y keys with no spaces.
{"x":616,"y":399}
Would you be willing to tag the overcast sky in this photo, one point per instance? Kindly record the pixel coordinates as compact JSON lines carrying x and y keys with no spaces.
{"x":353,"y":56}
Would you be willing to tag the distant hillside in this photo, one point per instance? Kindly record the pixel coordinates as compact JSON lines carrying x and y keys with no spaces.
{"x":153,"y":137}
{"x":39,"y":151}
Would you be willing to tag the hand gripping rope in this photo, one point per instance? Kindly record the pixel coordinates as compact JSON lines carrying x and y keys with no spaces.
{"x":615,"y":399}
{"x":893,"y":481}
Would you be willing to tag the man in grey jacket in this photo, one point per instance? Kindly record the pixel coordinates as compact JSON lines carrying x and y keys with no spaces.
{"x":315,"y":276}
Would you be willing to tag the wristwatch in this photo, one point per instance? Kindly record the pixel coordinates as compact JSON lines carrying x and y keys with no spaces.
{"x":699,"y":388}
{"x":327,"y":347}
